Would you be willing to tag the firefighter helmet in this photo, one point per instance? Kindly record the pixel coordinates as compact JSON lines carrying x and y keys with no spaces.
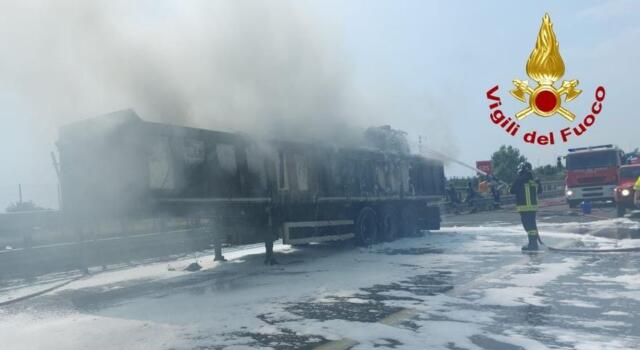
{"x":524,"y":167}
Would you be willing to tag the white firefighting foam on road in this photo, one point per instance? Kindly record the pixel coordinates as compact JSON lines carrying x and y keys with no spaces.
{"x":232,"y":305}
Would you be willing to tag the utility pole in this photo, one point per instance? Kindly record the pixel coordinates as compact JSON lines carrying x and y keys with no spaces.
{"x":56,"y":167}
{"x":20,"y":193}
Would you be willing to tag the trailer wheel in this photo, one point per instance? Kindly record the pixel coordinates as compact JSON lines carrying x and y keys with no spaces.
{"x":366,"y":227}
{"x":389,"y":224}
{"x":620,"y":210}
{"x":408,"y":221}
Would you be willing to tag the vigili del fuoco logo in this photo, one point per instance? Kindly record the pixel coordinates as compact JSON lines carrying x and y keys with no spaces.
{"x":545,"y":66}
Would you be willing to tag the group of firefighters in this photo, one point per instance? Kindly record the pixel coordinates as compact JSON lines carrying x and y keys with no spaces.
{"x":526,"y":189}
{"x":490,"y":185}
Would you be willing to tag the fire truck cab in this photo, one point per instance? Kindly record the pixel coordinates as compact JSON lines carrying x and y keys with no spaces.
{"x":624,"y":192}
{"x":592,"y":174}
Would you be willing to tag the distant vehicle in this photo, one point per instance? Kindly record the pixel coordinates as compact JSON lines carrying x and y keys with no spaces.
{"x":624,"y":192}
{"x":592,"y":174}
{"x":118,"y":166}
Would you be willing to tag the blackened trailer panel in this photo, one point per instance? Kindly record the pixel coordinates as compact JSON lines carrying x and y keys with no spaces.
{"x":120,"y":164}
{"x":103,"y":166}
{"x":427,"y":177}
{"x":305,"y":171}
{"x":194,"y":163}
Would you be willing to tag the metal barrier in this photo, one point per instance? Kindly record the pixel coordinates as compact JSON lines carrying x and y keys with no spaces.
{"x":487,"y":203}
{"x":80,"y":255}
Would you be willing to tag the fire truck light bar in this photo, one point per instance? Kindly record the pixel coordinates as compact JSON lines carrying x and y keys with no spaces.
{"x":589,"y":148}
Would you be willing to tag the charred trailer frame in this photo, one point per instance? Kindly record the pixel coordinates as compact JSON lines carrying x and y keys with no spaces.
{"x":118,"y":166}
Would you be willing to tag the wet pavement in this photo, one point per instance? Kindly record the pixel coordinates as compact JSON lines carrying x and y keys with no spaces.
{"x":467,"y":286}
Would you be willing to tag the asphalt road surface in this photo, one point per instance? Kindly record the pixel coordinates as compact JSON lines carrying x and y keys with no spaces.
{"x":467,"y":286}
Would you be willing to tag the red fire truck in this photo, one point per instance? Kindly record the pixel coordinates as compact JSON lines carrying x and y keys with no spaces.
{"x":592,"y":173}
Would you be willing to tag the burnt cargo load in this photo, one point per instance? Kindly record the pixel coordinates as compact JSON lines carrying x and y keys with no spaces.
{"x":117,"y":166}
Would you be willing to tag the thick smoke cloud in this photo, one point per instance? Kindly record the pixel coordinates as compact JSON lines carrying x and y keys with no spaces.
{"x":261,"y":67}
{"x":239,"y":65}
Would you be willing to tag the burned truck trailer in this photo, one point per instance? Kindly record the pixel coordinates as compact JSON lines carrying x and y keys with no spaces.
{"x":118,"y":166}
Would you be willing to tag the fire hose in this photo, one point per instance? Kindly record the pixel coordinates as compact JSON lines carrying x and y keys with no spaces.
{"x":588,"y":250}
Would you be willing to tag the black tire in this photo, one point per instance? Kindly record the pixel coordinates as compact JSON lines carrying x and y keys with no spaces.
{"x":408,"y":221}
{"x":572,"y":204}
{"x":366,"y":227}
{"x":389,"y":224}
{"x":620,"y":210}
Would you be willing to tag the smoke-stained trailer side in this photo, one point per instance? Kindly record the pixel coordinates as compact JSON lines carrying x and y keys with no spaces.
{"x":118,"y":166}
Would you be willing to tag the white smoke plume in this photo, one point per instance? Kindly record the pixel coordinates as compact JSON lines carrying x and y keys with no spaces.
{"x":239,"y":65}
{"x":261,"y":67}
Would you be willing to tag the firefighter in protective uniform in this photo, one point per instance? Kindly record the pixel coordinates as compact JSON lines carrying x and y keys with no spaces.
{"x":526,"y":190}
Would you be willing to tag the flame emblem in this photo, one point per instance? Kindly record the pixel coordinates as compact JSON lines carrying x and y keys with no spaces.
{"x":545,"y":66}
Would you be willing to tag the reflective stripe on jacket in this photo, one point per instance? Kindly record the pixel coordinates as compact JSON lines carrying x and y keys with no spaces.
{"x":526,"y":191}
{"x":530,"y":202}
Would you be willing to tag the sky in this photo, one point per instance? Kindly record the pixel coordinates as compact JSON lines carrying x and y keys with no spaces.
{"x":419,"y":66}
